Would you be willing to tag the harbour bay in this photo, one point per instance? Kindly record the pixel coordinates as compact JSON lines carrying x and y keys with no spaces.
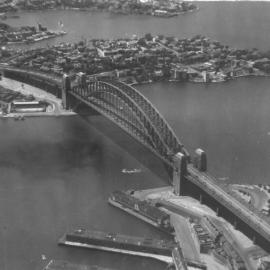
{"x":48,"y":158}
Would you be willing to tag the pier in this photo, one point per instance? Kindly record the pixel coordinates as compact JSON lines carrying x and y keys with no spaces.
{"x":65,"y":265}
{"x":145,"y":247}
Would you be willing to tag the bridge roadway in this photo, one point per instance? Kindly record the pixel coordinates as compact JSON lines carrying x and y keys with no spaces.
{"x":207,"y":183}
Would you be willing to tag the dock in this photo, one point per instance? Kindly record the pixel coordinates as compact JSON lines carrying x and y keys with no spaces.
{"x":139,"y":246}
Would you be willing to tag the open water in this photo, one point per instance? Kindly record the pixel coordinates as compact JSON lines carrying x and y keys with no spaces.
{"x":56,"y":173}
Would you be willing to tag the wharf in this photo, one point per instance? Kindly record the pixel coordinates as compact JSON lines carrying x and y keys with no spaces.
{"x":65,"y":265}
{"x":150,"y":248}
{"x":135,"y":214}
{"x":141,"y":209}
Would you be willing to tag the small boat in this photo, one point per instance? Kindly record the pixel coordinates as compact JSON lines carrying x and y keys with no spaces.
{"x":131,"y":171}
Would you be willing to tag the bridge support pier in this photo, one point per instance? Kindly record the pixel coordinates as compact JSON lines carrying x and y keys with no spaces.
{"x":200,"y":161}
{"x":81,"y":79}
{"x":66,"y":87}
{"x":179,"y":172}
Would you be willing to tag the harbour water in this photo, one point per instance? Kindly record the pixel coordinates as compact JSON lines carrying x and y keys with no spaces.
{"x":241,"y":25}
{"x":56,"y":173}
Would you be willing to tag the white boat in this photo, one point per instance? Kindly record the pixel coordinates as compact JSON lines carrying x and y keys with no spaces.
{"x":131,"y":171}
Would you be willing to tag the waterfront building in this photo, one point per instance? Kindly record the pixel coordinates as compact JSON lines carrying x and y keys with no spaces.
{"x":206,"y":76}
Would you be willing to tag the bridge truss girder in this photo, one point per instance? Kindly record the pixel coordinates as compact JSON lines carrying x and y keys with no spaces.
{"x":158,"y":121}
{"x":126,"y":111}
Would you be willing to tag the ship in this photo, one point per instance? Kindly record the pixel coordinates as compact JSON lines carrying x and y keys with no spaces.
{"x":139,"y":246}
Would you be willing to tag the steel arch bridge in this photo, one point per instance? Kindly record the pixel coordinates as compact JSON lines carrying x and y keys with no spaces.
{"x":130,"y":110}
{"x":117,"y":101}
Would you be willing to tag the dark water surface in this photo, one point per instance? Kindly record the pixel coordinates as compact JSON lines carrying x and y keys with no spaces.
{"x":56,"y":173}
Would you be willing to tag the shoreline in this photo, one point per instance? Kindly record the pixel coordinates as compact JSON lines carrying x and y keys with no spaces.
{"x":53,"y":34}
{"x":35,"y":114}
{"x":202,"y":82}
{"x":179,"y":13}
{"x":188,"y":70}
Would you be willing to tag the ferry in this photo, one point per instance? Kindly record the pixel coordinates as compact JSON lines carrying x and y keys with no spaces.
{"x":131,"y":171}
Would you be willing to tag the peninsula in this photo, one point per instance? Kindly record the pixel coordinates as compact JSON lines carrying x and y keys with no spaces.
{"x":160,"y":8}
{"x":145,"y":59}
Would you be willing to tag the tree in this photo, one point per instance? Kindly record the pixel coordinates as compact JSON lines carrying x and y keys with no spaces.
{"x":148,"y":37}
{"x":142,"y":42}
{"x":160,"y":37}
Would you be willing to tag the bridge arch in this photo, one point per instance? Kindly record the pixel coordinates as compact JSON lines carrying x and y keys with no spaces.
{"x":130,"y":110}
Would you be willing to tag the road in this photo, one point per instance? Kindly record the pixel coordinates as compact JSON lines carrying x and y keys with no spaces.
{"x":169,"y":49}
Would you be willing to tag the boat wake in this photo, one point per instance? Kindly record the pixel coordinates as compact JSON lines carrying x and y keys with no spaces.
{"x":223,"y":178}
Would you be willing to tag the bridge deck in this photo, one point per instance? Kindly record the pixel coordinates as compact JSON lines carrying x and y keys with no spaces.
{"x":207,"y":183}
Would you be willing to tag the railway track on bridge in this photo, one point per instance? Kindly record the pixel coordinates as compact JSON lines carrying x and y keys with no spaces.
{"x":207,"y":183}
